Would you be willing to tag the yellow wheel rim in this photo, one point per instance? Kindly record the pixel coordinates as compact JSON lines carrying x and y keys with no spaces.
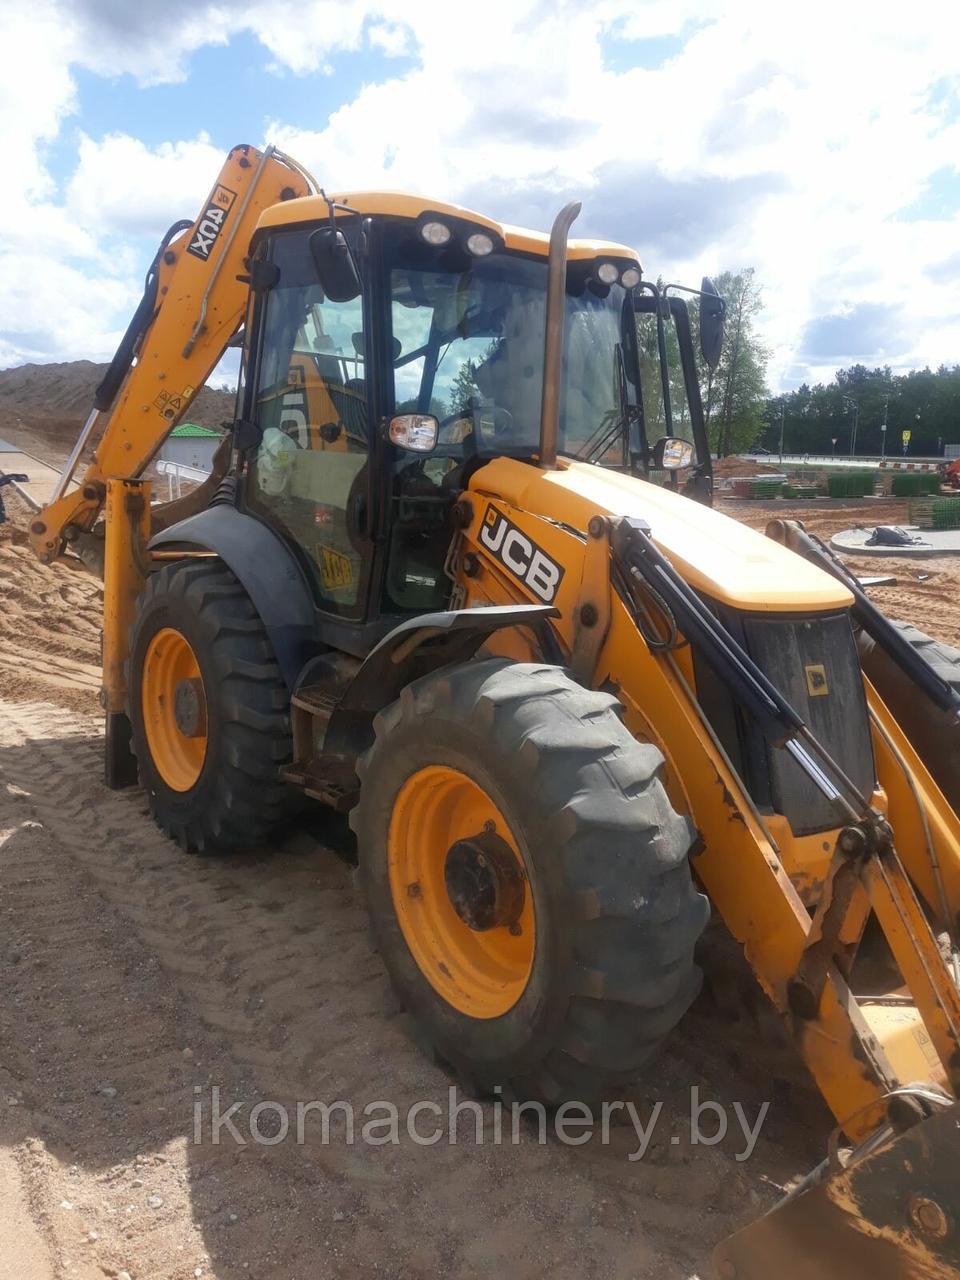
{"x":438,"y":814}
{"x":174,"y":709}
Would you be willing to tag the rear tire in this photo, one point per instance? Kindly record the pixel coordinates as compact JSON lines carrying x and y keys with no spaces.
{"x":604,"y":856}
{"x":237,"y":798}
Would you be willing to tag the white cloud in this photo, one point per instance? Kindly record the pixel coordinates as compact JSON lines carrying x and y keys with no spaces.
{"x":122,"y":187}
{"x":783,"y":138}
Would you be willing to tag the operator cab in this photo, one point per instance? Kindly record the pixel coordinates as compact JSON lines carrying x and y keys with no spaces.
{"x":380,"y":318}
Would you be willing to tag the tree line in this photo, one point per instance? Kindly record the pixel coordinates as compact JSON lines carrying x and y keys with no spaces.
{"x":850,"y":412}
{"x":847,"y":414}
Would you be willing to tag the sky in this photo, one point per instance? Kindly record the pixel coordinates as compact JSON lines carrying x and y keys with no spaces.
{"x":818,"y":143}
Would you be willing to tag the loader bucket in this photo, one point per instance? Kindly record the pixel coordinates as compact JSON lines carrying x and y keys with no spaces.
{"x":895,"y":1215}
{"x":933,"y":733}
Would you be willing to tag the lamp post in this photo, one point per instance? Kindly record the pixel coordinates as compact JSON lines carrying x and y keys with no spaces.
{"x":850,"y":403}
{"x":883,"y":429}
{"x":783,"y":404}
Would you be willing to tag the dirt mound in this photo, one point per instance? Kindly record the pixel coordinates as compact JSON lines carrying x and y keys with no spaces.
{"x":43,"y":406}
{"x":50,"y":620}
{"x":51,"y":389}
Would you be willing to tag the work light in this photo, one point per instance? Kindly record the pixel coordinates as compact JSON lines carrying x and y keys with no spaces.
{"x":479,"y":244}
{"x":435,"y":233}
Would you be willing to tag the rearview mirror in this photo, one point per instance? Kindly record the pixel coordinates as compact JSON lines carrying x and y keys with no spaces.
{"x":670,"y":453}
{"x":415,"y":431}
{"x":336,"y":270}
{"x":712,"y":312}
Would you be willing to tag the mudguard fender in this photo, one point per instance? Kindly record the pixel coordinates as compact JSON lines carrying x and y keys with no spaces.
{"x":269,"y":572}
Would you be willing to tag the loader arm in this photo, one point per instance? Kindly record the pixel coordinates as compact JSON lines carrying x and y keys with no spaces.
{"x":797,"y":903}
{"x":194,"y":302}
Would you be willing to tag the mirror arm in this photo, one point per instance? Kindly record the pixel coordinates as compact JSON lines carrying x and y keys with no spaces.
{"x":661,"y":301}
{"x":630,"y":350}
{"x":664,"y":372}
{"x":692,"y":387}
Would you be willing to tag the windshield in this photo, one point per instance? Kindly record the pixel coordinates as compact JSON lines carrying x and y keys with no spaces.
{"x":651,"y":381}
{"x":468,"y":336}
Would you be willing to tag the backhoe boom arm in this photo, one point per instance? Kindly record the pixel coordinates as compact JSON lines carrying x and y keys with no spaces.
{"x":194,"y":302}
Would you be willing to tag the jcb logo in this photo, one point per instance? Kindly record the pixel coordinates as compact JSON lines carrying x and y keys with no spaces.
{"x":211,"y":222}
{"x":520,"y":555}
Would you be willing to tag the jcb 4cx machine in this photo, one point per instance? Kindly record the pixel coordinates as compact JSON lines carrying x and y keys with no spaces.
{"x":457,"y":573}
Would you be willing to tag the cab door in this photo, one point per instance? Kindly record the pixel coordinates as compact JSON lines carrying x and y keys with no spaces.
{"x":309,"y":474}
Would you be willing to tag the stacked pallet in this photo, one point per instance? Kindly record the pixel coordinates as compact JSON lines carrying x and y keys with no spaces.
{"x":912,"y":484}
{"x":935,"y":513}
{"x":850,"y":484}
{"x":802,"y":492}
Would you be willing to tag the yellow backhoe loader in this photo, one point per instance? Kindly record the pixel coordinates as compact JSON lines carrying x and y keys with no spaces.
{"x":457,"y":573}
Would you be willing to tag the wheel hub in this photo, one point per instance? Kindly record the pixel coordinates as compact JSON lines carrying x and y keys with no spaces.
{"x":484,"y":882}
{"x":189,"y":707}
{"x":459,"y":887}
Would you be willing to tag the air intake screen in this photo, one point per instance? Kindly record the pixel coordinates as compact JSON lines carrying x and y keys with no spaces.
{"x":814,"y":663}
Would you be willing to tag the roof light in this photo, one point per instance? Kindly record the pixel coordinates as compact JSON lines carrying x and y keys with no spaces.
{"x":435,"y":233}
{"x":607,"y":273}
{"x":630,"y":278}
{"x":480,"y":244}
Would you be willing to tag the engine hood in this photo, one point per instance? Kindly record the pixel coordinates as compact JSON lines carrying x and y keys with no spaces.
{"x":716,"y":554}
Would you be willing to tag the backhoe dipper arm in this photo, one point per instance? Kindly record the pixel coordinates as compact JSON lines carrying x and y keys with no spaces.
{"x":193,"y":303}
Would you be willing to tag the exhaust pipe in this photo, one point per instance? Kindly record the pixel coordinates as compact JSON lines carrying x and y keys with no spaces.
{"x":553,"y":343}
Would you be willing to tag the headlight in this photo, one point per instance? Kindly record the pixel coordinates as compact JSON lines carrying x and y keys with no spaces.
{"x":630,"y":278}
{"x":607,"y":273}
{"x":479,"y":244}
{"x":415,"y":431}
{"x":435,"y":233}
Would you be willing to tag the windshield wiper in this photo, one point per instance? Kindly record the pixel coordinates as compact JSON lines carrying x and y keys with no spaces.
{"x":602,"y":438}
{"x":615,"y":423}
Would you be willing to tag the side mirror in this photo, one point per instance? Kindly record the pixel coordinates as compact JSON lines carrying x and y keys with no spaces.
{"x":415,"y":431}
{"x":336,"y":270}
{"x":713,"y":310}
{"x":670,"y":453}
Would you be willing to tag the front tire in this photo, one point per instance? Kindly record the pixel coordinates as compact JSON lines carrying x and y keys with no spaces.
{"x":209,"y":711}
{"x":571,"y":989}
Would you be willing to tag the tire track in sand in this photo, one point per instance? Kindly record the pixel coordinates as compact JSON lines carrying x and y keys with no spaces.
{"x":261,"y":966}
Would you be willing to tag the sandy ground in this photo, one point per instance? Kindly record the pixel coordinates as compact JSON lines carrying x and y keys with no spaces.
{"x":137,"y":978}
{"x":927,"y":591}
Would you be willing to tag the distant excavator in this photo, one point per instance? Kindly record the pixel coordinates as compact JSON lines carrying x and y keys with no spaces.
{"x":456,"y":572}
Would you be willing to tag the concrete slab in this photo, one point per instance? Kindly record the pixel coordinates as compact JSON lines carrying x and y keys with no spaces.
{"x":38,"y":489}
{"x":934,"y":542}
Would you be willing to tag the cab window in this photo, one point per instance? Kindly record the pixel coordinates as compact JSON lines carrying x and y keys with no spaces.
{"x":308,"y":477}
